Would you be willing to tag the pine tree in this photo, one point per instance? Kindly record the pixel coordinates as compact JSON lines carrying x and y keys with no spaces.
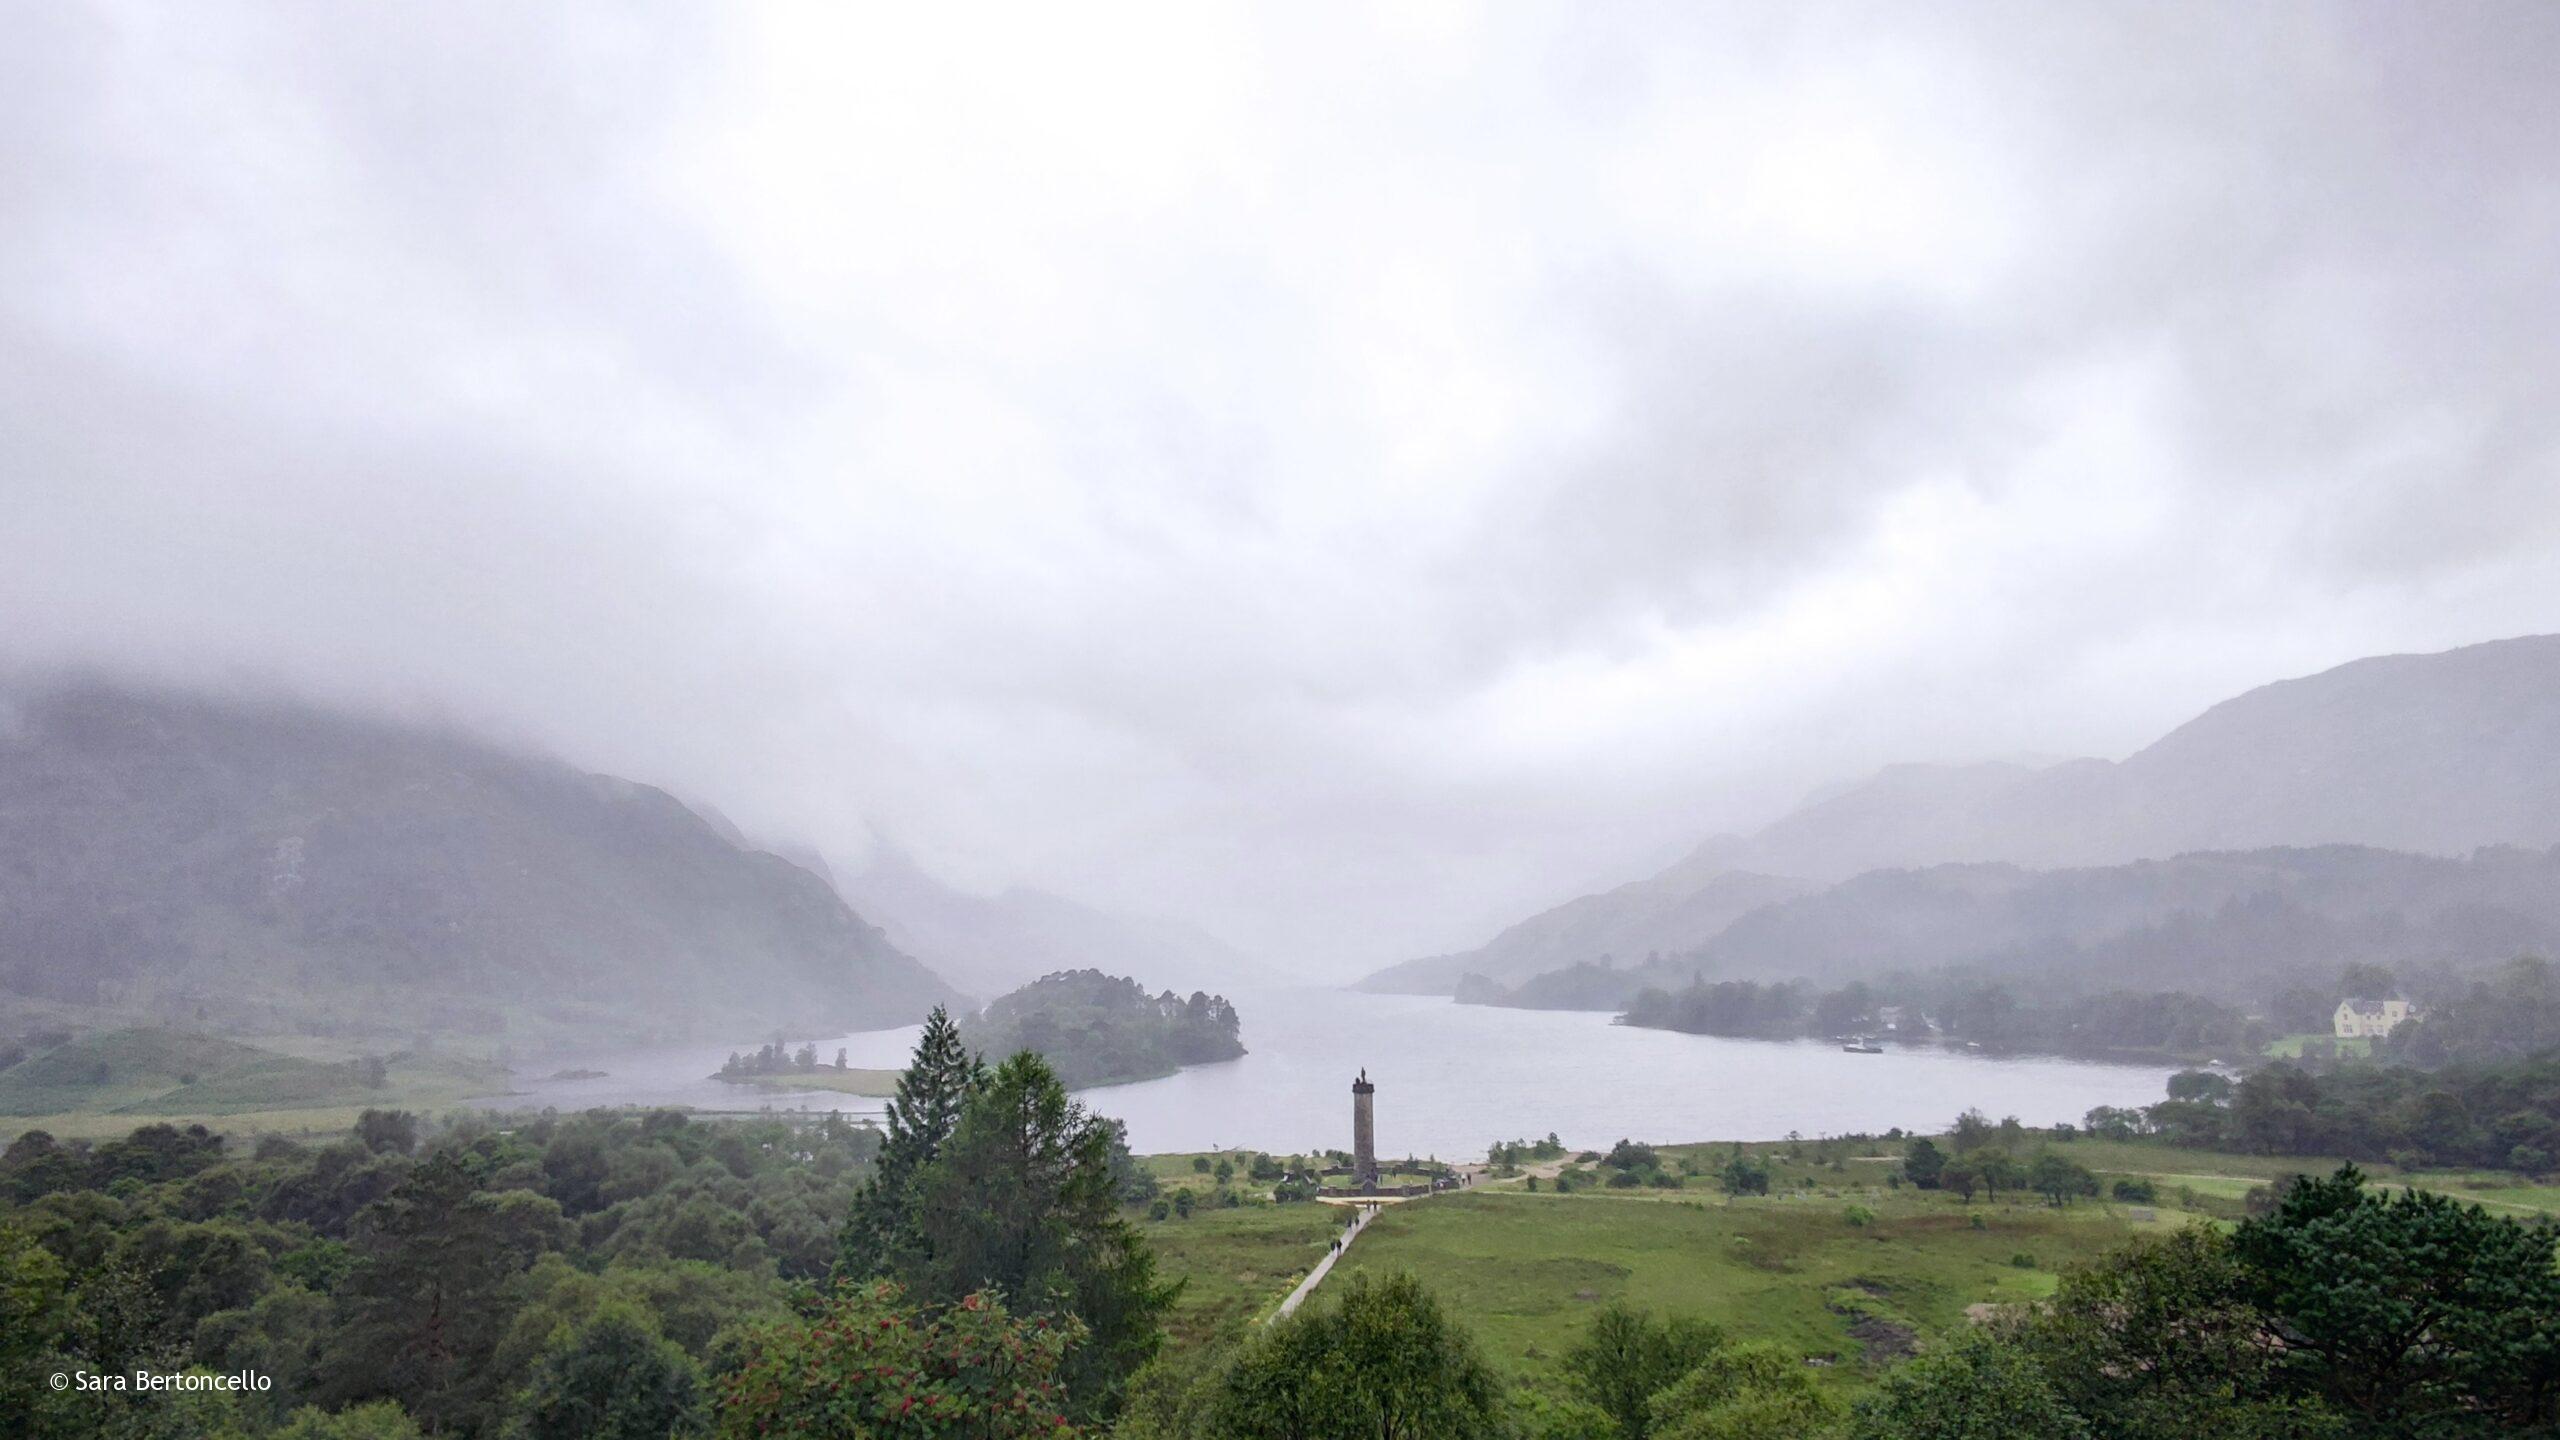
{"x":931,"y":1096}
{"x":1022,"y":1201}
{"x":422,"y":1312}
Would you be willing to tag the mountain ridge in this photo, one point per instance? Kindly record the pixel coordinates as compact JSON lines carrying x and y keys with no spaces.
{"x":2429,"y":754}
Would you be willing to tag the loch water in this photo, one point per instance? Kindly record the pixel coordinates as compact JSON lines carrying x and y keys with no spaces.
{"x":1451,"y":1079}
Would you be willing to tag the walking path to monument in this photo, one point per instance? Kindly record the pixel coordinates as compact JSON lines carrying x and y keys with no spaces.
{"x":1369,"y":1211}
{"x":1364,"y":1165}
{"x":1324,"y":1266}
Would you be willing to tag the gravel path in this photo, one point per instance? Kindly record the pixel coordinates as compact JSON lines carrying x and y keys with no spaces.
{"x":1324,"y":1266}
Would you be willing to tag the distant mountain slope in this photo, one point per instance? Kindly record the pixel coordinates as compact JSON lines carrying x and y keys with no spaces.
{"x":2434,"y":754}
{"x":1676,"y":910}
{"x":990,"y":944}
{"x":270,"y":867}
{"x":2216,"y":922}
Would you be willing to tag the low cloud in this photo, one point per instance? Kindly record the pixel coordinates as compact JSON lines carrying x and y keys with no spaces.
{"x":1345,"y":478}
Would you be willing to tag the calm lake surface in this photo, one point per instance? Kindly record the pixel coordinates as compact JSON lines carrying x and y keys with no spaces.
{"x":1451,"y":1079}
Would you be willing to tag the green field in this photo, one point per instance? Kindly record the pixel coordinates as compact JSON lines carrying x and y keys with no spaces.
{"x":1527,"y":1269}
{"x":1236,"y":1265}
{"x":2290,"y":1047}
{"x":2230,"y":1176}
{"x":105,"y":1084}
{"x":1835,"y":1263}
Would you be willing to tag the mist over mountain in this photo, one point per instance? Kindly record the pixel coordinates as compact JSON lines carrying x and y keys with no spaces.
{"x":2428,"y":754}
{"x":990,"y":944}
{"x":267,"y":868}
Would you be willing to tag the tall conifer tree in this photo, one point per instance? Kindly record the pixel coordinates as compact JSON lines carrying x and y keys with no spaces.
{"x":881,"y":1231}
{"x":1022,"y":1201}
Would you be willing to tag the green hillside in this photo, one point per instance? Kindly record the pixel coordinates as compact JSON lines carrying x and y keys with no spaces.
{"x":168,"y":1073}
{"x":111,"y":1070}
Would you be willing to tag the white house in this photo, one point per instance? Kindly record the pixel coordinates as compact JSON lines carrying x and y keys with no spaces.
{"x":2371,"y":1017}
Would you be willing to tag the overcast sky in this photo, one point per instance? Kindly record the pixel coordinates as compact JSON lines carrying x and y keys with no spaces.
{"x":1345,"y":476}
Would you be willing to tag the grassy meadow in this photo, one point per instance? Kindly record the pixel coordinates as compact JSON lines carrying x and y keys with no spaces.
{"x":2291,"y":1047}
{"x":1237,"y":1264}
{"x":103,"y":1085}
{"x":1835,"y":1263}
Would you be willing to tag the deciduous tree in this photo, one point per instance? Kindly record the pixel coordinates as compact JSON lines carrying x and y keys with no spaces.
{"x":866,"y":1362}
{"x":1627,"y":1355}
{"x":614,"y":1378}
{"x":1974,"y":1388}
{"x":1386,"y":1362}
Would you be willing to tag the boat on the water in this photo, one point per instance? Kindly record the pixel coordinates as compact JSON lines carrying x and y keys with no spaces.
{"x":1862,"y":1045}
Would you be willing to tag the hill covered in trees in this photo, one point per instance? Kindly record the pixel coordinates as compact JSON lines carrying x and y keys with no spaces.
{"x":270,"y":868}
{"x":1098,"y":1029}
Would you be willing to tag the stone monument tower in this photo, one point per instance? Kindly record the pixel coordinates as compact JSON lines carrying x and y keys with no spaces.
{"x":1364,"y":1132}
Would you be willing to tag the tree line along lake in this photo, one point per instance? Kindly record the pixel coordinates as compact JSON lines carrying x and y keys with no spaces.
{"x":1451,"y":1080}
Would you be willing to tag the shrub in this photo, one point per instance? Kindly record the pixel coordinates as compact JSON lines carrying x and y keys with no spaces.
{"x":1633,"y":1155}
{"x":1743,"y":1175}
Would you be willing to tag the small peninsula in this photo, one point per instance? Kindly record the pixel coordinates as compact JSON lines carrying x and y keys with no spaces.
{"x":775,"y":1067}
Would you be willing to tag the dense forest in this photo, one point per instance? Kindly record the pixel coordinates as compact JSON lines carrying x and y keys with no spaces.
{"x":581,"y":1277}
{"x":459,"y":1283}
{"x":1996,"y":1014}
{"x":2502,"y":1115}
{"x":1099,"y":1029}
{"x":2473,"y":1083}
{"x":2510,"y":1013}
